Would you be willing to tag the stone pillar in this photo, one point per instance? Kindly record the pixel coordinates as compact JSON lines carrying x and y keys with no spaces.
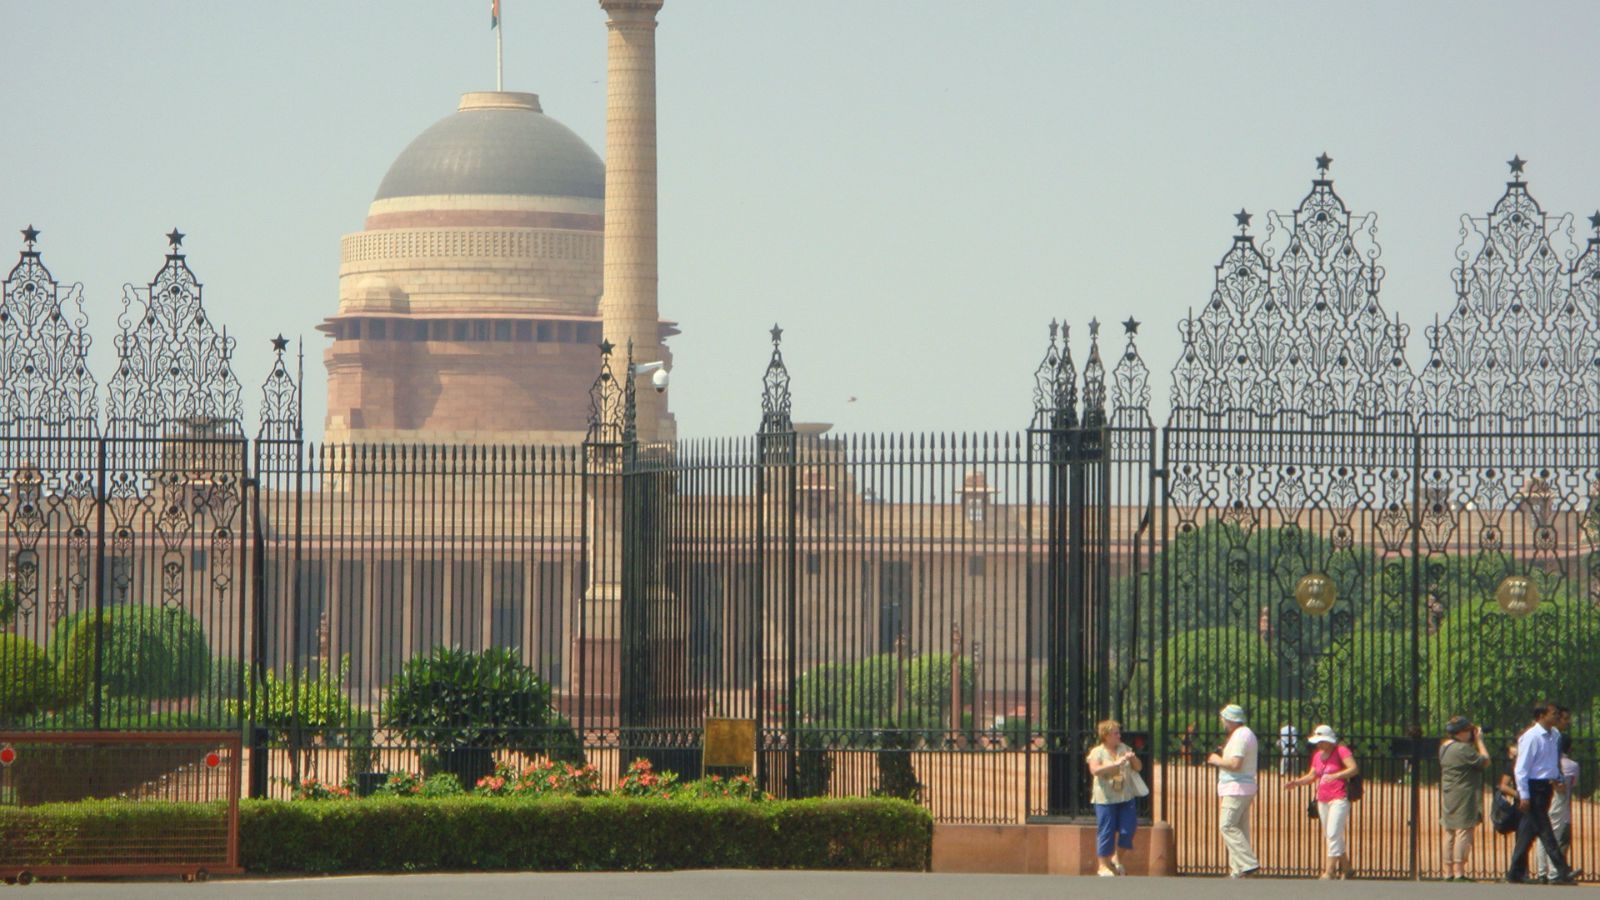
{"x":628,"y":307}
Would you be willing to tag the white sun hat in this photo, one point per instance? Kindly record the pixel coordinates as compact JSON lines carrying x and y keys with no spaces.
{"x":1323,"y":735}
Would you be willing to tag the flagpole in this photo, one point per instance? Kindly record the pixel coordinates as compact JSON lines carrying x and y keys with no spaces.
{"x":500,"y":52}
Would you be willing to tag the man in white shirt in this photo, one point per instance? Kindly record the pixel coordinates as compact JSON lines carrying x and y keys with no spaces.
{"x":1560,"y":813}
{"x":1236,"y":789}
{"x":1538,"y":778}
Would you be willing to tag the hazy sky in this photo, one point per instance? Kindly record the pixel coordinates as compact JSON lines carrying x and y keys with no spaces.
{"x":912,"y":188}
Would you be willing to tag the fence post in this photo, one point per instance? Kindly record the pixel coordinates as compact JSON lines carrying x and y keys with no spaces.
{"x":776,"y":445}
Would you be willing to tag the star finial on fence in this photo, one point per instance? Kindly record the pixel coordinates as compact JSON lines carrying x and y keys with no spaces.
{"x":1324,"y":162}
{"x":1131,"y":326}
{"x":175,"y":238}
{"x":1516,"y":162}
{"x":30,"y":234}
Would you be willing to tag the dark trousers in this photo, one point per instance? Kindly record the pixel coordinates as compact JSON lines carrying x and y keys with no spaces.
{"x":1536,"y":824}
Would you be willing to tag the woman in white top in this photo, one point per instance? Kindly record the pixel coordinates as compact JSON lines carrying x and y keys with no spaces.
{"x":1115,"y":769}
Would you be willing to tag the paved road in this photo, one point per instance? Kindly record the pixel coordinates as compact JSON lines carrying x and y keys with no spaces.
{"x":768,"y":886}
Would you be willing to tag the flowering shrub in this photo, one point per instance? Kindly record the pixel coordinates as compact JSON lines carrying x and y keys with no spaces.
{"x":739,"y":787}
{"x":314,"y":789}
{"x":642,"y":780}
{"x":548,"y":777}
{"x":400,"y":784}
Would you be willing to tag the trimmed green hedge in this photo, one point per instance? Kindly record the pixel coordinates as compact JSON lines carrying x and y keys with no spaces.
{"x":551,"y":833}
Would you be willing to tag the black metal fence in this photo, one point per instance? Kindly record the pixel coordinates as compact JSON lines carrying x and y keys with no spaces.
{"x":1320,"y":532}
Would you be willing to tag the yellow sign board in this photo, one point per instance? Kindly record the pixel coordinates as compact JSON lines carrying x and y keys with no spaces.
{"x":730,"y":742}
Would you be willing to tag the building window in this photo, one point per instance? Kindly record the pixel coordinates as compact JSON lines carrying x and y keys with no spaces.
{"x":352,"y":329}
{"x":378,"y":329}
{"x":502,"y":331}
{"x":462,"y":330}
{"x":547,"y":331}
{"x":976,"y":566}
{"x":977,"y":507}
{"x":813,"y":563}
{"x":524,"y":331}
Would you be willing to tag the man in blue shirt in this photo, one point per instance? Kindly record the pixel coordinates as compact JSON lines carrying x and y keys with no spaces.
{"x":1538,"y":777}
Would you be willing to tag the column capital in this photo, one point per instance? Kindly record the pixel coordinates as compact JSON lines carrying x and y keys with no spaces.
{"x":635,"y":12}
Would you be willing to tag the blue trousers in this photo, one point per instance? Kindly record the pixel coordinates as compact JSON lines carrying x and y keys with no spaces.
{"x":1113,"y":825}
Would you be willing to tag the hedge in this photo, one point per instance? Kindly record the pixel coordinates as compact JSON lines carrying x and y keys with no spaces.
{"x":551,"y":833}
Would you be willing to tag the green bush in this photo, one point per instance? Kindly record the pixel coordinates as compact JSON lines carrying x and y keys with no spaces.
{"x":149,"y":651}
{"x":820,"y":694}
{"x":8,"y":604}
{"x":928,"y":687}
{"x":596,"y":833}
{"x":62,"y":833}
{"x":472,"y":832}
{"x":24,"y":678}
{"x":315,"y":703}
{"x":460,"y":707}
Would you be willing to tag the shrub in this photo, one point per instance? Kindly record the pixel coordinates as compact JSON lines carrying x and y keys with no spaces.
{"x":400,"y":784}
{"x":442,"y":784}
{"x":315,"y":789}
{"x":24,"y":678}
{"x":820,"y":693}
{"x":549,"y":777}
{"x":149,"y":651}
{"x":8,"y":604}
{"x":565,"y":833}
{"x":642,"y":780}
{"x":928,"y":687}
{"x":462,"y":706}
{"x":315,"y":703}
{"x":715,"y":787}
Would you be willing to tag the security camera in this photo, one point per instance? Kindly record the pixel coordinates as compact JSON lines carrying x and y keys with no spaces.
{"x":657,"y":372}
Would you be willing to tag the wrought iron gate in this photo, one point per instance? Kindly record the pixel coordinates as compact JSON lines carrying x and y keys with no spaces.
{"x":1352,"y":542}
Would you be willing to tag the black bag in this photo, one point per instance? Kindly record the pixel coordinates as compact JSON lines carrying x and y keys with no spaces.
{"x":1311,"y":808}
{"x":1504,"y":815}
{"x":1354,"y":787}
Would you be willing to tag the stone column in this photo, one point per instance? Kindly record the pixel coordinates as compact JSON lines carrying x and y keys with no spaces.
{"x":628,"y":307}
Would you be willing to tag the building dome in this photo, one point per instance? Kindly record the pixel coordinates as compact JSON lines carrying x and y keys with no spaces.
{"x":496,"y":143}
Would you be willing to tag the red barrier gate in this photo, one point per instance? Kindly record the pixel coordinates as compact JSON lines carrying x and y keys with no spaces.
{"x":180,"y":791}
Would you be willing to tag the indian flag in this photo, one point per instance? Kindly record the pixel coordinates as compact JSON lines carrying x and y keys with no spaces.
{"x":494,"y":14}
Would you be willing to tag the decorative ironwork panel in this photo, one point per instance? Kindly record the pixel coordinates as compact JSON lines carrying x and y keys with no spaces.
{"x":1523,"y":338}
{"x":282,"y":418}
{"x":606,"y":402}
{"x":45,"y":383}
{"x":775,"y":400}
{"x":1297,"y":327}
{"x":1055,"y":384}
{"x":174,"y":369}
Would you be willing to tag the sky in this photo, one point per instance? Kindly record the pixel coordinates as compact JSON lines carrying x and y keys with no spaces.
{"x":913,"y":189}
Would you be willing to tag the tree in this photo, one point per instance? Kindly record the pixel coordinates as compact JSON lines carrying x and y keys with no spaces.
{"x":1363,"y":681}
{"x":1492,"y":667}
{"x":149,"y":652}
{"x":462,"y":706}
{"x":24,"y":678}
{"x":1210,"y":668}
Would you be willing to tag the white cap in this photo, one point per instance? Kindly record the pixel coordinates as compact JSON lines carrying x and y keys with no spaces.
{"x":1322,"y":734}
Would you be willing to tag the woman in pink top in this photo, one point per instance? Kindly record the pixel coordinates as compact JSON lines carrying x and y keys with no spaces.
{"x":1332,"y":767}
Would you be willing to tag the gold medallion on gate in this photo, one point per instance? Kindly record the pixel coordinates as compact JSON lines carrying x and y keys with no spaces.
{"x":1316,"y":594}
{"x":1518,"y":595}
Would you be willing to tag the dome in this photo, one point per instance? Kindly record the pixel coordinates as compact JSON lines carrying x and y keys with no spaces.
{"x":496,"y":143}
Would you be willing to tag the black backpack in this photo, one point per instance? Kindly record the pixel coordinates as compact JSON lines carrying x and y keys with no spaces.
{"x":1354,"y":788}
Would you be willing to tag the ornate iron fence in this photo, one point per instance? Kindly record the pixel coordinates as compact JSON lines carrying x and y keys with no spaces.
{"x":1319,"y":531}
